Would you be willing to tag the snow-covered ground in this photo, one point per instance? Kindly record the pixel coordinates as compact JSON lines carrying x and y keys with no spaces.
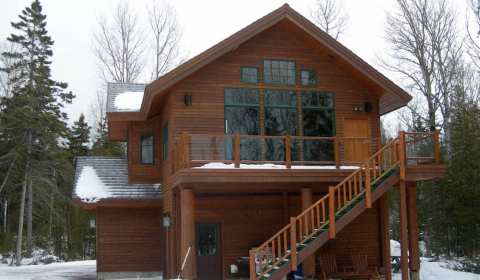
{"x":437,"y":271}
{"x":81,"y":270}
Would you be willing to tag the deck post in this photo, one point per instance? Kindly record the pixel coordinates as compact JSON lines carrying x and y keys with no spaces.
{"x":436,"y":146}
{"x":368,"y":186}
{"x":403,"y":230}
{"x":252,"y":264}
{"x":293,"y":244}
{"x":402,"y":155}
{"x":337,"y":152}
{"x":414,"y":255}
{"x":236,"y":150}
{"x":331,"y":212}
{"x":385,"y":236}
{"x":309,"y":263}
{"x":288,"y":151}
{"x":187,"y":224}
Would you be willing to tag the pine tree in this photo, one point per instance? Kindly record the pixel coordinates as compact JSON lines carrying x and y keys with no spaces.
{"x":79,"y":137}
{"x":32,"y":118}
{"x":103,"y":146}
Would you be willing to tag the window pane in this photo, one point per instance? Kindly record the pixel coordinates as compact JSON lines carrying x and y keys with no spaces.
{"x":146,"y":146}
{"x":207,"y":240}
{"x":317,"y":99}
{"x":249,"y":75}
{"x":242,"y":120}
{"x":318,"y":123}
{"x":308,"y":78}
{"x":318,"y":150}
{"x":280,"y":98}
{"x":279,"y":121}
{"x":279,"y":72}
{"x":241,"y":96}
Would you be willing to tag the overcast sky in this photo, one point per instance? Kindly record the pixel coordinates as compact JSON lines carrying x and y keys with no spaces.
{"x":203,"y":23}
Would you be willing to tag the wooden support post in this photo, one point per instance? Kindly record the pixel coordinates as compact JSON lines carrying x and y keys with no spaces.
{"x":414,"y":255}
{"x":309,"y":263}
{"x":402,"y":154}
{"x":288,"y":151}
{"x":368,"y":186}
{"x":403,"y":230}
{"x":236,"y":150}
{"x":187,"y":224}
{"x":252,"y":265}
{"x":293,"y":244}
{"x":385,"y":236}
{"x":331,"y":212}
{"x":436,"y":146}
{"x":337,"y":152}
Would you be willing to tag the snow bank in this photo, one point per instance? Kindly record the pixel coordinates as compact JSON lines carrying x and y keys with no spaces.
{"x":221,"y":165}
{"x":90,"y":188}
{"x":129,"y":101}
{"x":55,"y":271}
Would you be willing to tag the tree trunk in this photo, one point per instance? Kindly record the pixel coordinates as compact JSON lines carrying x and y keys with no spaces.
{"x":29,"y":218}
{"x":18,"y":255}
{"x":5,"y":208}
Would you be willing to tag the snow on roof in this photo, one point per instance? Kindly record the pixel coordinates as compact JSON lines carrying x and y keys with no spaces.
{"x":98,"y":178}
{"x":124,"y":97}
{"x":221,"y":165}
{"x":89,"y":187}
{"x":129,"y":101}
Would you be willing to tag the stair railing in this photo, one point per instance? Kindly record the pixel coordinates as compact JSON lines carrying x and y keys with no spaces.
{"x":282,"y":247}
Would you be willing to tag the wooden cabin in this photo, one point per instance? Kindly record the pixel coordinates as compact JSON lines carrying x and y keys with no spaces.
{"x":259,"y":156}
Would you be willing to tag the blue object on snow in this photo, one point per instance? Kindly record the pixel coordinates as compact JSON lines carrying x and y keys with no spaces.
{"x":298,"y":274}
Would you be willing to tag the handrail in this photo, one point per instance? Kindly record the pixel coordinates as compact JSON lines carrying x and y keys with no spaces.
{"x":323,"y":212}
{"x":193,"y":149}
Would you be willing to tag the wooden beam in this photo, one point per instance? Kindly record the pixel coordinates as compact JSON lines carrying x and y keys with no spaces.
{"x":293,"y":244}
{"x":331,"y":212}
{"x":414,"y":256}
{"x":288,"y":151}
{"x":403,"y":230}
{"x":309,"y":263}
{"x":385,"y":236}
{"x":402,"y":155}
{"x":187,"y":223}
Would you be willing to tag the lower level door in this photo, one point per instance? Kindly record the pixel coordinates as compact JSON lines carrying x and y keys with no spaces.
{"x":209,"y":251}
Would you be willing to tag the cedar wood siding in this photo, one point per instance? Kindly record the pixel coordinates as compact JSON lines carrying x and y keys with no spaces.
{"x":130,"y":239}
{"x":248,"y":221}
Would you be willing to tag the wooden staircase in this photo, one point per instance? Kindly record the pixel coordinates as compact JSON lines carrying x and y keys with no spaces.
{"x":310,"y":230}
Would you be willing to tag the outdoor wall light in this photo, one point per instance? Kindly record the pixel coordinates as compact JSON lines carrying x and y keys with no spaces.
{"x":187,"y":99}
{"x":167,"y":222}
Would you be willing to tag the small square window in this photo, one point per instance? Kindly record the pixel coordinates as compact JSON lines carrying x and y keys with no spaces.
{"x":249,"y":75}
{"x":146,"y":149}
{"x":308,"y":78}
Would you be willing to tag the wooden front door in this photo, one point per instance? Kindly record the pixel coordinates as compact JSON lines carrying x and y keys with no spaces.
{"x":356,"y":150}
{"x":209,"y":251}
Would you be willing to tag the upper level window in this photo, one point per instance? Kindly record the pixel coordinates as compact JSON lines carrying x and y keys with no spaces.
{"x":242,"y":111}
{"x":249,"y":75}
{"x":165,"y":142}
{"x":308,"y":78}
{"x":147,"y":149}
{"x":280,"y":72}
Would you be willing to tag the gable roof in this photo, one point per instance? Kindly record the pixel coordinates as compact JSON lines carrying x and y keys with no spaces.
{"x":393,"y":98}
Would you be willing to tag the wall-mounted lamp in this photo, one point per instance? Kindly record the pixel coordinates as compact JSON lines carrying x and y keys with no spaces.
{"x":167,"y":221}
{"x":187,"y":99}
{"x":357,"y":108}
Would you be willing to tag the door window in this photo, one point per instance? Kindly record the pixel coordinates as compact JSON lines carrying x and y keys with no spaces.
{"x":207,"y":240}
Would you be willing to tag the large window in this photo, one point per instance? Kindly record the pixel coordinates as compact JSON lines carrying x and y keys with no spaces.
{"x":146,"y":149}
{"x":280,"y":119}
{"x":242,"y":114}
{"x":318,"y":120}
{"x":279,"y":72}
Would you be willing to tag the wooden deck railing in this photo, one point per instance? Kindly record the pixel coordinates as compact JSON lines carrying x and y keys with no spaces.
{"x":322,"y":215}
{"x":199,"y":149}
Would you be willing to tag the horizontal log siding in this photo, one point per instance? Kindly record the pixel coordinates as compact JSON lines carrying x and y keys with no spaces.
{"x":129,"y":239}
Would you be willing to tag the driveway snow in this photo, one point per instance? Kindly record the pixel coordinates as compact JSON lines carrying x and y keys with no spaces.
{"x":81,"y":270}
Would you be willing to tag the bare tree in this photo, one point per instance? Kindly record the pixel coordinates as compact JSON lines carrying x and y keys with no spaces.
{"x":163,"y":25}
{"x":426,"y":52}
{"x":119,"y":45}
{"x":330,"y":16}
